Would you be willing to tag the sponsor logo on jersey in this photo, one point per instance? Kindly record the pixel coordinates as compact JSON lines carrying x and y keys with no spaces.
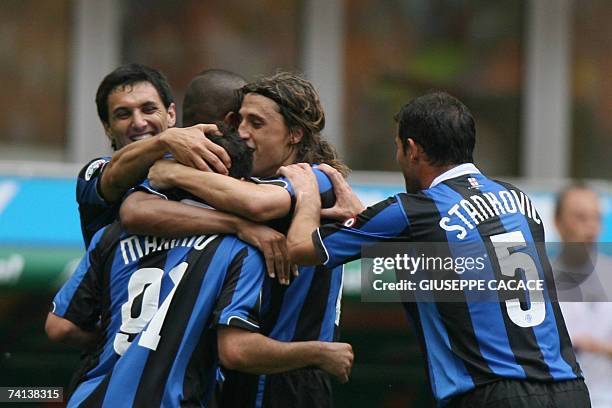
{"x":350,"y":222}
{"x":93,"y":167}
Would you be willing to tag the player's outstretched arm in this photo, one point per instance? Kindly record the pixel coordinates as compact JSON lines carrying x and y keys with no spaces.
{"x":253,"y":201}
{"x":64,"y":331}
{"x":254,"y":353}
{"x":188,"y":145}
{"x":148,"y":214}
{"x":306,"y":216}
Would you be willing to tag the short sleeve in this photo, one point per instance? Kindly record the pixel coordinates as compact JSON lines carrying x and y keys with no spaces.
{"x":94,"y":210}
{"x":239,"y":301}
{"x":326,"y":188}
{"x":79,"y":298}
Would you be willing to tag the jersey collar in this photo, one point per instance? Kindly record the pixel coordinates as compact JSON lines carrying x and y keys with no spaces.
{"x":460,"y":170}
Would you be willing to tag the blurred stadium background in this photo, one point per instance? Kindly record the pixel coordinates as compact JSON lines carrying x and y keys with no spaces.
{"x":535,"y":73}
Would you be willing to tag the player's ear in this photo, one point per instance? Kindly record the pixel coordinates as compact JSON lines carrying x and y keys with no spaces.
{"x":412,"y":149}
{"x":232,"y":119}
{"x":172,"y":114}
{"x":295,"y":136}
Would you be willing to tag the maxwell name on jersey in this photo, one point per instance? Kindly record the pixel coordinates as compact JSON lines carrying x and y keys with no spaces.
{"x":477,"y":208}
{"x":135,"y":247}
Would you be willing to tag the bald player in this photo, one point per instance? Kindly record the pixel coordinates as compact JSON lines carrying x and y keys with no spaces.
{"x":211,"y":98}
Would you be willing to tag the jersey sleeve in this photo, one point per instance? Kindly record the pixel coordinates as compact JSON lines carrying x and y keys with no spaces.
{"x":174,"y":194}
{"x":147,"y":188}
{"x":340,"y":243}
{"x":239,"y":301}
{"x":79,"y":299}
{"x":326,"y":188}
{"x":94,"y":210}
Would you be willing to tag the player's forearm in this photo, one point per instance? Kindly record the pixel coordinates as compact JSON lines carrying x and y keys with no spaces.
{"x":305,"y":221}
{"x":64,"y":331}
{"x":144,"y":214}
{"x":255,"y":202}
{"x":256,"y":354}
{"x":129,"y":166}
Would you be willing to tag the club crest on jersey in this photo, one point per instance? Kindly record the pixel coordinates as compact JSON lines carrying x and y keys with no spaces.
{"x":474,"y":184}
{"x":93,"y":167}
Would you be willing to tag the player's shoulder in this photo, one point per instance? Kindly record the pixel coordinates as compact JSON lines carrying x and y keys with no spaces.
{"x":235,"y":245}
{"x":241,"y":255}
{"x":93,"y":168}
{"x":505,"y":184}
{"x":322,"y":179}
{"x":106,"y":238}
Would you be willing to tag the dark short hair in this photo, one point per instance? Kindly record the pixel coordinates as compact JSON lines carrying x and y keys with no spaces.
{"x":560,"y":201}
{"x":240,"y":154}
{"x":127,"y":75}
{"x":210,"y":96}
{"x":441,"y":125}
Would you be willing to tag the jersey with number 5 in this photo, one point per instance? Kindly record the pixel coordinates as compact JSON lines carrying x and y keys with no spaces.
{"x":158,"y":302}
{"x":468,"y":343}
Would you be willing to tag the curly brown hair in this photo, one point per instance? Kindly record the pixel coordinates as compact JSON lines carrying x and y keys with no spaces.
{"x":301,"y":108}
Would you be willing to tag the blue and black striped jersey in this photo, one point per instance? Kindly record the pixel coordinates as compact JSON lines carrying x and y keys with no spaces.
{"x":94,"y":210}
{"x":158,"y":302}
{"x":468,"y":343}
{"x":307,"y":309}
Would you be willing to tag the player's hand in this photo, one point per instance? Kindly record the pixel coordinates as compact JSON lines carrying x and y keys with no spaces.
{"x":302,"y":179}
{"x":347,"y":203}
{"x":191,"y":147}
{"x":273,"y":246}
{"x":337,"y":360}
{"x":162,"y":173}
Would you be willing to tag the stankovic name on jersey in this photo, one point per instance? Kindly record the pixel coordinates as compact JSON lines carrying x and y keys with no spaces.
{"x":471,"y":211}
{"x":135,"y":247}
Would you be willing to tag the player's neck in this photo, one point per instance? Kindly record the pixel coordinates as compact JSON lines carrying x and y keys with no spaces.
{"x":429,"y":173}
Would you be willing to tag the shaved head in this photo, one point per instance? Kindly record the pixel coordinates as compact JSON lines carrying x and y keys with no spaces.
{"x":210,"y":96}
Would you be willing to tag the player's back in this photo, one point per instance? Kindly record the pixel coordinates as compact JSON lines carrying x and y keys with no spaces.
{"x":170,"y":287}
{"x":474,"y":341}
{"x":306,"y":310}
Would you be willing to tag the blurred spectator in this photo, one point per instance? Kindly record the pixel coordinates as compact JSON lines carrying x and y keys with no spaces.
{"x":589,"y":322}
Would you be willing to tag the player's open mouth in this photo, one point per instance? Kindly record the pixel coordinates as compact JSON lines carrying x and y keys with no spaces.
{"x":135,"y":138}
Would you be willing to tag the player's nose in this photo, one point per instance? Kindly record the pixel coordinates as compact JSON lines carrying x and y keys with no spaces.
{"x":243,"y":130}
{"x":138,"y":120}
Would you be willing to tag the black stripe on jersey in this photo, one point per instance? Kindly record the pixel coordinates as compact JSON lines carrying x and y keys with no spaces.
{"x":522,"y":340}
{"x":311,"y":317}
{"x":421,"y":210}
{"x":328,"y":198}
{"x":155,"y":373}
{"x":96,"y":398}
{"x":537,"y":232}
{"x":231,"y":281}
{"x":199,"y":369}
{"x":270,"y":316}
